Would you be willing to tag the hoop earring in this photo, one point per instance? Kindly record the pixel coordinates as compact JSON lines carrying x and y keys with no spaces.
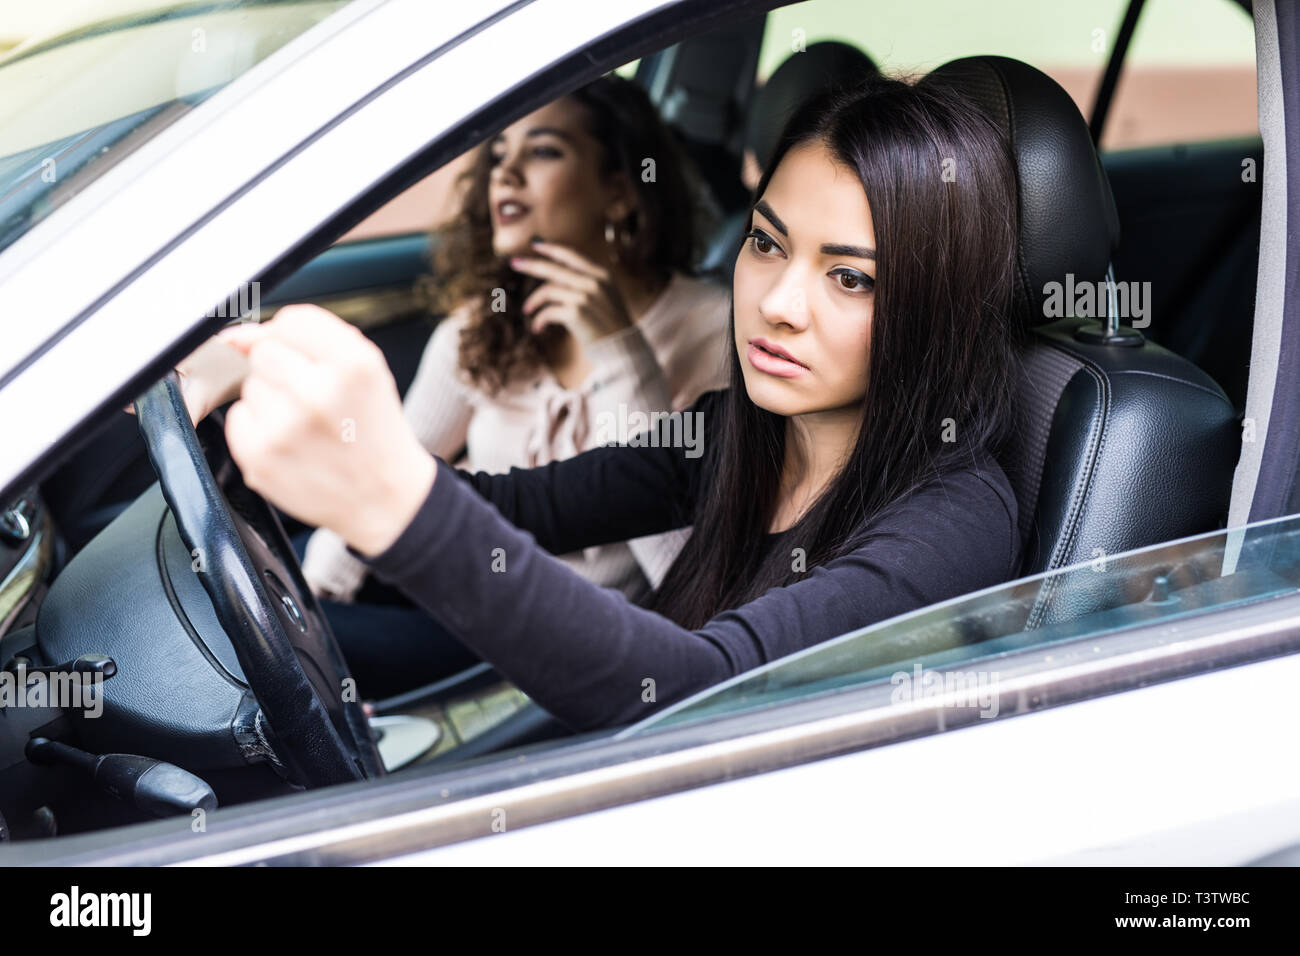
{"x":616,"y":241}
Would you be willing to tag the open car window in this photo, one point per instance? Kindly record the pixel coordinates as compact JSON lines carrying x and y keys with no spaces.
{"x":926,"y":651}
{"x":73,"y":104}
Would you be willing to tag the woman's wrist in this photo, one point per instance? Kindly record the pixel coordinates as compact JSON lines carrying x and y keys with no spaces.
{"x":378,"y":522}
{"x":614,"y":323}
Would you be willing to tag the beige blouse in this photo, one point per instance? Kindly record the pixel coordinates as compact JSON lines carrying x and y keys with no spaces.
{"x":675,"y":351}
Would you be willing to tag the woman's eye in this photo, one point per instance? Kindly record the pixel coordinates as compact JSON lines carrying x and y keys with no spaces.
{"x":496,"y":158}
{"x":853,"y":281}
{"x":763,"y":243}
{"x":547,"y":152}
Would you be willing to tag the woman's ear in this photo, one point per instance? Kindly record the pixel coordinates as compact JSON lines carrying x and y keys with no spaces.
{"x":623,"y":198}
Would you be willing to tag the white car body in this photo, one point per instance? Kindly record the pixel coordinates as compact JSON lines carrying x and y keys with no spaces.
{"x":1183,"y":771}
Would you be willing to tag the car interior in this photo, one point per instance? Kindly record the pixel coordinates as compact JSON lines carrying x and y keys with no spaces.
{"x":1126,"y":437}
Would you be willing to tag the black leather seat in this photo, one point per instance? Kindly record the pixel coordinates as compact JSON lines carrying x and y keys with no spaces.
{"x":1119,"y":443}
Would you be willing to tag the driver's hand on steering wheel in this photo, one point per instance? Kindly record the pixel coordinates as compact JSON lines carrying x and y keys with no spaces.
{"x":210,"y":376}
{"x":319,"y":430}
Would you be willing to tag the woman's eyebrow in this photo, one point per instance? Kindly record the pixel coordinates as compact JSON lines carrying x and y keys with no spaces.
{"x":828,"y":248}
{"x":856,"y":252}
{"x":539,"y":131}
{"x":550,"y":131}
{"x":773,"y":218}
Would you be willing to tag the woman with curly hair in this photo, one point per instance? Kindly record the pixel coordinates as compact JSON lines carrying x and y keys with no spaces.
{"x":544,"y":343}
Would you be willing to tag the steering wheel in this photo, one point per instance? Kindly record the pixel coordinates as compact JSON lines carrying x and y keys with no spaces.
{"x":283,"y":641}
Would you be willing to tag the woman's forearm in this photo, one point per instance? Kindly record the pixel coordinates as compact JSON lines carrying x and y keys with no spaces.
{"x":585,"y":653}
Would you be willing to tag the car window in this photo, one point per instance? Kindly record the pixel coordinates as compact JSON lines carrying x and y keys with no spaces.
{"x":1189,"y":72}
{"x":967,"y":634}
{"x":433,"y":200}
{"x":75,"y":102}
{"x":1189,"y":76}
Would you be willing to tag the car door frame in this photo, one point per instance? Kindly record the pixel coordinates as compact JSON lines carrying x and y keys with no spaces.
{"x":154,"y":294}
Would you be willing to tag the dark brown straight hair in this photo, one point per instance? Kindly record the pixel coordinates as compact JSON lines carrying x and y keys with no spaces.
{"x":940,"y":180}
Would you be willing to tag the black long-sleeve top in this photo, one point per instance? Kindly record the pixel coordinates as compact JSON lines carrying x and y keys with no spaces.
{"x":477,"y":557}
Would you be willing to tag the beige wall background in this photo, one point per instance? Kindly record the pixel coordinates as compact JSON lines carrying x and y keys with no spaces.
{"x":1189,"y":75}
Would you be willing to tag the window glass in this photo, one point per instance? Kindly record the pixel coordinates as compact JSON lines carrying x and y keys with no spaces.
{"x":430,"y":202}
{"x":74,"y":102}
{"x":915,"y":36}
{"x":1162,"y":583}
{"x":1189,"y":76}
{"x":1189,"y":73}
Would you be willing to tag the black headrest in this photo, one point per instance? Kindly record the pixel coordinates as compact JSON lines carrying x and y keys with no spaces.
{"x":1068,"y":221}
{"x":822,"y":66}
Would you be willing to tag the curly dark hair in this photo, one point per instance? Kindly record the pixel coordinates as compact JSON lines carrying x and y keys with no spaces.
{"x":661,"y":233}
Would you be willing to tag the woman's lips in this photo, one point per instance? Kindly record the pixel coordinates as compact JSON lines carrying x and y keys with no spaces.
{"x":510,"y":210}
{"x":764,"y":358}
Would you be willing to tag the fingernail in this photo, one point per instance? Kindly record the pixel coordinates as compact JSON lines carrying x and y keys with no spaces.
{"x":516,"y":261}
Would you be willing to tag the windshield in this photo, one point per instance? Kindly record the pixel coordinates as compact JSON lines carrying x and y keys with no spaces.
{"x":75,"y":102}
{"x":1160,"y":583}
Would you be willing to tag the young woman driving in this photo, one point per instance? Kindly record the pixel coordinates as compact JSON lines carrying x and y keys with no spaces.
{"x":848,"y":472}
{"x":515,"y":385}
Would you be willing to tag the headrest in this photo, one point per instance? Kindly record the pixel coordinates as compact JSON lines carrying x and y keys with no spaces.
{"x":1068,"y":222}
{"x":819,"y":67}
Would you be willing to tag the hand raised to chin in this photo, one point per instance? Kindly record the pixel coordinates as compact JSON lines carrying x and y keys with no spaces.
{"x":575,"y":293}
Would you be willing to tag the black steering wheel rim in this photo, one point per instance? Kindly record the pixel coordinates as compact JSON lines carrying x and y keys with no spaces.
{"x":314,"y":748}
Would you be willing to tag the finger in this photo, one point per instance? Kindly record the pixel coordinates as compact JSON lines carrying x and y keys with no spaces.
{"x":573,"y":259}
{"x":554,"y":272}
{"x":248,"y":437}
{"x":556,"y":313}
{"x":551,"y":293}
{"x":317,"y":333}
{"x":240,"y":425}
{"x":289,"y":370}
{"x":270,"y":406}
{"x":193,"y":404}
{"x":243,"y":337}
{"x":268,"y":415}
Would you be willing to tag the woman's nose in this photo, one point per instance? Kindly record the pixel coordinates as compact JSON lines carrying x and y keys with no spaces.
{"x":786,"y":302}
{"x":508,"y":170}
